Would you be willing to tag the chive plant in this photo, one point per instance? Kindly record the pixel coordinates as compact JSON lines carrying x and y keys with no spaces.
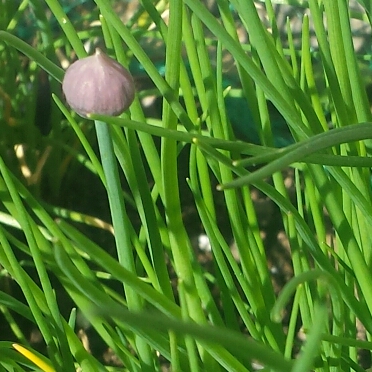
{"x":169,"y":309}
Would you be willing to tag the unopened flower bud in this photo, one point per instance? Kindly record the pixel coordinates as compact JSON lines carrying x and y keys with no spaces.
{"x":98,"y":85}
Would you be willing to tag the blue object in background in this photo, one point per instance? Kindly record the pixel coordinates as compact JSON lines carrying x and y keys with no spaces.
{"x":244,"y":127}
{"x":237,"y":111}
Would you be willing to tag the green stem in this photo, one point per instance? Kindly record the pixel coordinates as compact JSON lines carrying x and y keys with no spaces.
{"x":121,"y":226}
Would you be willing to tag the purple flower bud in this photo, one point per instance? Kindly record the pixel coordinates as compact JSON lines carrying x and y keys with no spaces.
{"x":98,"y":85}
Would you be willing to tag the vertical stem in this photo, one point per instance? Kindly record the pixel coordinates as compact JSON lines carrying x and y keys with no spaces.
{"x":180,"y":243}
{"x":117,"y":207}
{"x":177,"y":235}
{"x":122,"y":229}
